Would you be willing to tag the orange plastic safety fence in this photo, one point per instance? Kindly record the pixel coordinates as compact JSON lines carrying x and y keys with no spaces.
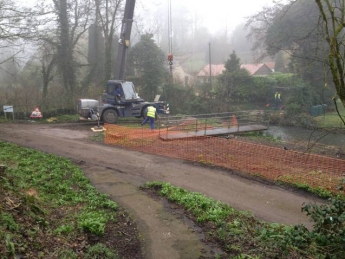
{"x":267,"y":162}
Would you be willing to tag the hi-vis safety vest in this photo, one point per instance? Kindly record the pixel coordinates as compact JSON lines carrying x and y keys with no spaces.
{"x":151,"y":112}
{"x":277,"y":96}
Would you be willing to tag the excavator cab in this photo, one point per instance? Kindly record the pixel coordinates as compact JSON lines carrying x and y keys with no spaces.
{"x":113,"y":93}
{"x":120,"y":92}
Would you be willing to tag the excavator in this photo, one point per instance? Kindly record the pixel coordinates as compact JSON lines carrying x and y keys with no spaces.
{"x":120,"y":98}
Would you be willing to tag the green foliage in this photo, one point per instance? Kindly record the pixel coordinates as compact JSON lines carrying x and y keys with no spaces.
{"x":331,"y":118}
{"x":332,"y":23}
{"x":297,"y":236}
{"x":100,"y":251}
{"x":205,"y":209}
{"x":298,"y":103}
{"x":40,"y":185}
{"x":244,"y":256}
{"x":329,"y":228}
{"x":341,"y":185}
{"x":3,"y":119}
{"x":147,"y":60}
{"x":67,"y":254}
{"x":10,"y":245}
{"x":285,"y":28}
{"x":8,"y":222}
{"x":262,"y":89}
{"x":54,"y":178}
{"x":234,"y":82}
{"x":282,"y":80}
{"x":294,"y":28}
{"x":67,"y":118}
{"x":266,"y":240}
{"x":234,"y":85}
{"x":93,"y":222}
{"x":64,"y":229}
{"x":301,"y":99}
{"x":238,"y":85}
{"x":182,"y":100}
{"x":233,"y":63}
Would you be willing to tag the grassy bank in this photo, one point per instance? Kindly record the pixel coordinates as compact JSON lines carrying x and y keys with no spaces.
{"x":332,"y":119}
{"x":48,"y":209}
{"x":241,"y":236}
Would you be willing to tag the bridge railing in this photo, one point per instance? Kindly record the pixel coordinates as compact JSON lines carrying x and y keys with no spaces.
{"x":204,"y":122}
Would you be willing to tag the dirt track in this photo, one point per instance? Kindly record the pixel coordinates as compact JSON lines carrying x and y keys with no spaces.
{"x":120,"y":173}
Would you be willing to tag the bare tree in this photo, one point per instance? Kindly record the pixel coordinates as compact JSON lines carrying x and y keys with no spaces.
{"x":258,"y":26}
{"x":333,"y":21}
{"x":13,"y":29}
{"x":107,"y":12}
{"x":72,"y":21}
{"x":48,"y":64}
{"x":58,"y":26}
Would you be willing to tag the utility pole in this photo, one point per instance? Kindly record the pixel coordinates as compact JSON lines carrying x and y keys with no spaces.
{"x":210,"y":64}
{"x":170,"y":54}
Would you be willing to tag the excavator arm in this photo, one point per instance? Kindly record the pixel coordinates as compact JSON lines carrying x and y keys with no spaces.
{"x":124,"y":41}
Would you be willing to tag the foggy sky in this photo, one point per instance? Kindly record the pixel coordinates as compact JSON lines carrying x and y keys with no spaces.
{"x":215,"y":15}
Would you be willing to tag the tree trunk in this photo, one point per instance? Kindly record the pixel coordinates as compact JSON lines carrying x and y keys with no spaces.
{"x":65,"y":49}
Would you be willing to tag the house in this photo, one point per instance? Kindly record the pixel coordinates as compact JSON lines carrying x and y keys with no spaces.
{"x":260,"y":69}
{"x":204,"y":75}
{"x":271,"y":65}
{"x":180,"y":75}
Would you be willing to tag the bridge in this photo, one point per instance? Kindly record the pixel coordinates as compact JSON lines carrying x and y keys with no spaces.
{"x":187,"y":126}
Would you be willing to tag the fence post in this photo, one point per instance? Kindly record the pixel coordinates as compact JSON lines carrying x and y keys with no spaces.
{"x":167,"y":133}
{"x":205,"y":127}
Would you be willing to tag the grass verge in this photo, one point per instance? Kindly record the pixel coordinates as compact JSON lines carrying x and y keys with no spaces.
{"x":48,"y":209}
{"x":240,"y":235}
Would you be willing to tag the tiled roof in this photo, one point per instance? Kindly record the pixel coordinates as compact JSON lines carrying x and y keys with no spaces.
{"x":252,"y":68}
{"x":215,"y":70}
{"x":218,"y":69}
{"x":271,"y":65}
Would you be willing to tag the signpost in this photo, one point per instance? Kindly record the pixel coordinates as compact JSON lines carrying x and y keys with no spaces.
{"x":8,"y":108}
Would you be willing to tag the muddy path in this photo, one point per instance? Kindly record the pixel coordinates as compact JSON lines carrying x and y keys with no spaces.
{"x":120,"y":173}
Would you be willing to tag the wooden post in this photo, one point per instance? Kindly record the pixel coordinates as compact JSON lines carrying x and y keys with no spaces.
{"x":205,"y":127}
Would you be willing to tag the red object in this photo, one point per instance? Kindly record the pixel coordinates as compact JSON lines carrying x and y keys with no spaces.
{"x":170,"y":57}
{"x":36,"y":114}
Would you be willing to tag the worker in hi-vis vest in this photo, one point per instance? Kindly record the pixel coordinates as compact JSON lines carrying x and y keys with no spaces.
{"x":151,"y":114}
{"x":277,"y":100}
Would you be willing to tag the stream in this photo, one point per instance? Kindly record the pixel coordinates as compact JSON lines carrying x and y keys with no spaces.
{"x":296,"y":134}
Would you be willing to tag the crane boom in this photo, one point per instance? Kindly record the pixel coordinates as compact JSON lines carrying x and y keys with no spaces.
{"x":124,"y":41}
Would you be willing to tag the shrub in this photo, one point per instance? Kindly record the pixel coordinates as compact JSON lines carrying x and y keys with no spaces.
{"x":93,"y":222}
{"x":329,"y":226}
{"x":100,"y":251}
